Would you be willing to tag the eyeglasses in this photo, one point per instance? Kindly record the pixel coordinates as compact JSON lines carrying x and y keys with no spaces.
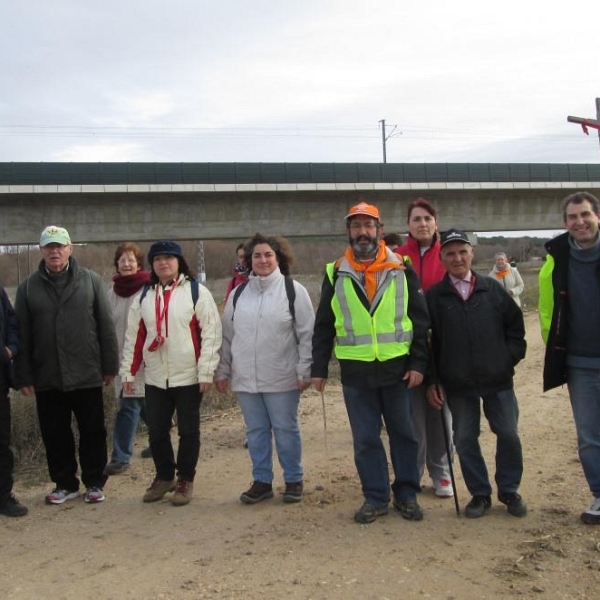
{"x":360,"y":225}
{"x":127,"y":261}
{"x":55,"y":246}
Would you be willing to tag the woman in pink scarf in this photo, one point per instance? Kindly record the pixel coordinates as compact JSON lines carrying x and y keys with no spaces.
{"x":127,"y":283}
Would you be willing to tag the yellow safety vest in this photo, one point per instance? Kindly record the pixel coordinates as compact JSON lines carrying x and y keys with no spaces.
{"x":360,"y":335}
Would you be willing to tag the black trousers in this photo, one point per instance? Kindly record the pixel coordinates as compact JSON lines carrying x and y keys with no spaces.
{"x":7,"y":461}
{"x":55,"y":409}
{"x":160,"y":406}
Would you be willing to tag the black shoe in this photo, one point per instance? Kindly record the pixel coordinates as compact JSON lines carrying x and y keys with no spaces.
{"x":477,"y":507}
{"x":514,"y":504}
{"x":114,"y":467}
{"x":367,"y":513}
{"x":258,"y":492}
{"x":293,"y":492}
{"x":592,"y":515}
{"x":11,"y":507}
{"x":409,"y":509}
{"x":147,"y":452}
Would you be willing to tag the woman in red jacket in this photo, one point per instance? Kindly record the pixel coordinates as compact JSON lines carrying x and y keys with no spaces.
{"x":423,"y":249}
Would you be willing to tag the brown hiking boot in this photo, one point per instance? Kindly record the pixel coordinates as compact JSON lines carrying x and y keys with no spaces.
{"x":293,"y":492}
{"x":158,"y":488}
{"x":258,"y":492}
{"x":183,"y":492}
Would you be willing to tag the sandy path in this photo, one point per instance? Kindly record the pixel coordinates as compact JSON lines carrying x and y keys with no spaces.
{"x":218,"y":548}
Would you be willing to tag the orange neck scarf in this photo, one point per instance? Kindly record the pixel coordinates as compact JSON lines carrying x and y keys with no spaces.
{"x":370,"y":269}
{"x":501,"y":274}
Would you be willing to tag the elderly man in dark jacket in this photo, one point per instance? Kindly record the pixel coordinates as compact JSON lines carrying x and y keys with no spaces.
{"x":478,"y":338}
{"x":69,"y":350}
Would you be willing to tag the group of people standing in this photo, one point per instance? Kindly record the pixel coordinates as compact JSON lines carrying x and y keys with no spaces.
{"x":375,"y":315}
{"x":415,"y":330}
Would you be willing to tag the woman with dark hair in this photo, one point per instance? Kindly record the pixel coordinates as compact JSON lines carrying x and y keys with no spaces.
{"x":266,"y":354}
{"x":127,"y":285}
{"x":172,"y":321}
{"x":423,"y":248}
{"x":240,"y":270}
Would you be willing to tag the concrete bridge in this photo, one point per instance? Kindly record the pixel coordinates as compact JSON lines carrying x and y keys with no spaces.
{"x":111,"y":202}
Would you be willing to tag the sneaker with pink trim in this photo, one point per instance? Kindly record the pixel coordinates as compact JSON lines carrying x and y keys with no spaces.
{"x":94,"y":495}
{"x":443,"y":488}
{"x":60,"y":496}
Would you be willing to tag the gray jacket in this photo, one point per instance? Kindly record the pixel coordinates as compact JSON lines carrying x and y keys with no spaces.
{"x":68,"y":338}
{"x":264,"y":349}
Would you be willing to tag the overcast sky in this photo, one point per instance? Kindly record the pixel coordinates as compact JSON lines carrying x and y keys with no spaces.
{"x":306,"y":81}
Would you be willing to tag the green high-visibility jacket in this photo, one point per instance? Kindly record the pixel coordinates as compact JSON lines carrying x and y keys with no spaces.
{"x":383,"y":334}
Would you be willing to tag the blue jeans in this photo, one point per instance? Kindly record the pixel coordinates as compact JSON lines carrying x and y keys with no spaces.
{"x":502,"y":413}
{"x":126,"y":423}
{"x":267,"y":414}
{"x":584,"y":391}
{"x":366,"y":407}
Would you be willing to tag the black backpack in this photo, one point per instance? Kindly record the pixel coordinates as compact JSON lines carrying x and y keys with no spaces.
{"x":290,"y":290}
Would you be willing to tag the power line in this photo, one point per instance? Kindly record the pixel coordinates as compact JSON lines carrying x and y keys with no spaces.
{"x":409,"y":132}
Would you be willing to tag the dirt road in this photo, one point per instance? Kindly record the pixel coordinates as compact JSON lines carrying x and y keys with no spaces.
{"x":219,"y":548}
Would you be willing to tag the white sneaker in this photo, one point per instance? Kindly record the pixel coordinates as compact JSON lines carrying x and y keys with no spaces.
{"x":592,"y":515}
{"x":58,"y":496}
{"x":443,"y":488}
{"x":94,"y":495}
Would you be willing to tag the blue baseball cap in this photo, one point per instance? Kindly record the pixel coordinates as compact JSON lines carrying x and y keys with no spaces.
{"x":166,"y":247}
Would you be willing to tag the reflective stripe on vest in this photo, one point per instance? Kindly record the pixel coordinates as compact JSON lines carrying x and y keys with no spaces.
{"x":385,"y":334}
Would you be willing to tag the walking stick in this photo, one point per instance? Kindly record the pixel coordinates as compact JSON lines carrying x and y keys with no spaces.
{"x":448,"y":450}
{"x":325,"y":439}
{"x":440,"y":391}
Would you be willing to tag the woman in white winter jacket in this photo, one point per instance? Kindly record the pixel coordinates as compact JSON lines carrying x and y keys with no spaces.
{"x":266,"y":355}
{"x":508,"y":276}
{"x":175,"y":331}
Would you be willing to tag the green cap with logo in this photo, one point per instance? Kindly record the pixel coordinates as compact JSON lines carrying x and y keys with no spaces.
{"x":54,"y":235}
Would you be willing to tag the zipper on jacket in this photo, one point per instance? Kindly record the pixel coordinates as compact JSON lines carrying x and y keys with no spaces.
{"x":557,"y":326}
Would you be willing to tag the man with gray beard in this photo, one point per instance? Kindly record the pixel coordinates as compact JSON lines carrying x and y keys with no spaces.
{"x":373,"y":315}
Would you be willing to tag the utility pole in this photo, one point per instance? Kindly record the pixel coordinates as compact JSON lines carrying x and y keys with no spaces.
{"x":383,"y":139}
{"x":201,"y":263}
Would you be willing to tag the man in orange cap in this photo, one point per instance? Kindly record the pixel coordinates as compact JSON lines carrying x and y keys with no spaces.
{"x":373,"y":315}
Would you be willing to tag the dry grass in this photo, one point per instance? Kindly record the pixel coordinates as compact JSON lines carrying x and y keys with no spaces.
{"x":529,"y":298}
{"x":26,"y":438}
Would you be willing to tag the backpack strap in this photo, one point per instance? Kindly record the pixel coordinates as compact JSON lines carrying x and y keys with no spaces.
{"x":144,"y":292}
{"x":194,"y":289}
{"x":236,"y":294}
{"x":290,"y":290}
{"x":332,"y":270}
